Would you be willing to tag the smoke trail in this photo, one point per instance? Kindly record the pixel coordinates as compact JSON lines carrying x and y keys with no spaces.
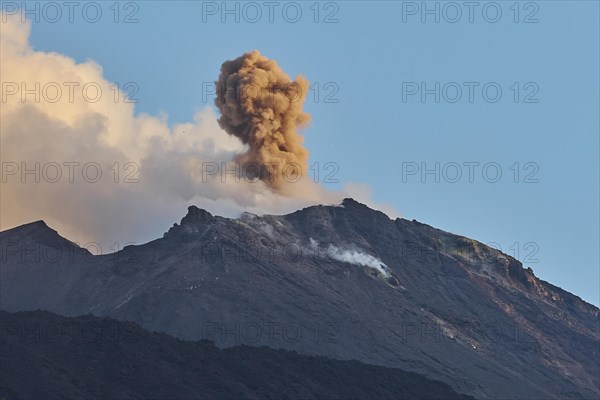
{"x":354,"y":257}
{"x":262,"y":106}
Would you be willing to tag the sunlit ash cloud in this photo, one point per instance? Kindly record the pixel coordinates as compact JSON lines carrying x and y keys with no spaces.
{"x":262,"y":107}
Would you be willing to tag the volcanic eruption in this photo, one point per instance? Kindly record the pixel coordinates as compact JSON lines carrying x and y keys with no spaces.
{"x":262,"y":106}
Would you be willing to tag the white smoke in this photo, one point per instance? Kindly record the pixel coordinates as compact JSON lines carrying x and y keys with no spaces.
{"x":354,"y":257}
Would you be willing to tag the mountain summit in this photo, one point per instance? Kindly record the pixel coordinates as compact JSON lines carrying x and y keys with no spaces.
{"x":341,"y":281}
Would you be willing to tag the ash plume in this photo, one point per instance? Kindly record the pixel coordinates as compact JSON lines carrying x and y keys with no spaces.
{"x":262,"y":106}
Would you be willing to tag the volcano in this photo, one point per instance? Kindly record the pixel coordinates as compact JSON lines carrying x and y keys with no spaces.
{"x":344,"y":282}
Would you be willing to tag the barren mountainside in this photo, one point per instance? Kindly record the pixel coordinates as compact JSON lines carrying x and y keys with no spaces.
{"x":88,"y":357}
{"x":344,"y":281}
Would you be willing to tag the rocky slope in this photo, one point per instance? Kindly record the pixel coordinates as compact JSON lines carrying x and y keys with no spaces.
{"x":341,"y":281}
{"x":46,"y":356}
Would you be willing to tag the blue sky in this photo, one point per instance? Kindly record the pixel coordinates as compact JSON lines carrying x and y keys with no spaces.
{"x":378,"y":131}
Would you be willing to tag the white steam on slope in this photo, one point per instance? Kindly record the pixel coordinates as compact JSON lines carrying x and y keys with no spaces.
{"x":150,"y":171}
{"x":354,"y":257}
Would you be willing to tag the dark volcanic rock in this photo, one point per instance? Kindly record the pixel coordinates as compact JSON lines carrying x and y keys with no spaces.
{"x":451,"y":308}
{"x":46,"y":356}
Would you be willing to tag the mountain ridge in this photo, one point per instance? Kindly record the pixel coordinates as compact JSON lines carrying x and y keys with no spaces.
{"x":462,"y":312}
{"x":130,"y":362}
{"x":198,"y":215}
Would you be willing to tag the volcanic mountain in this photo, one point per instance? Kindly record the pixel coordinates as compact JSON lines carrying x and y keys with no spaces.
{"x":48,"y":356}
{"x":343,"y":281}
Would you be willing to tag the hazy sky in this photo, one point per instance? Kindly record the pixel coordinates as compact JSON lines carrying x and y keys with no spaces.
{"x":369,"y":64}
